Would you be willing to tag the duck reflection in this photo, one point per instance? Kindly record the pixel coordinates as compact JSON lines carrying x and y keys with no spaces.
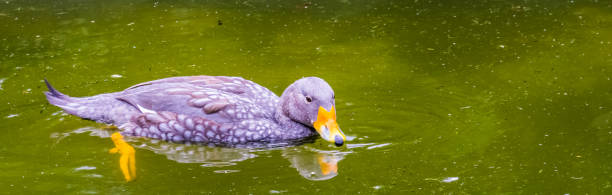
{"x":314,"y":164}
{"x":311,"y":163}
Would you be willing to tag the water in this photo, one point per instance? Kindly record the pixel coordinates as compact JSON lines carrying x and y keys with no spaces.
{"x":435,"y":97}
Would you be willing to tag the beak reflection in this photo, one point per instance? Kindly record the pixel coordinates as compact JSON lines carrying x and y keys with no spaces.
{"x":327,"y":126}
{"x":314,"y":164}
{"x":328,"y":164}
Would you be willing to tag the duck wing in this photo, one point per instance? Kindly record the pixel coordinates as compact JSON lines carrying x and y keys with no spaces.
{"x":220,"y":99}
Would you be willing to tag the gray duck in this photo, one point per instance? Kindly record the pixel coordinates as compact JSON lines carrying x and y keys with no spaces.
{"x":212,"y":109}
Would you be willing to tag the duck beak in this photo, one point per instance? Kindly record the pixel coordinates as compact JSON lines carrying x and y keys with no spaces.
{"x":327,"y":127}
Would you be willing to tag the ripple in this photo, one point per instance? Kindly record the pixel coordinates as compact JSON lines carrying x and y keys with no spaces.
{"x":93,"y":176}
{"x":450,"y":179}
{"x":217,"y":164}
{"x":378,"y":146}
{"x":2,"y":81}
{"x":86,"y":168}
{"x":445,"y":180}
{"x":12,"y":116}
{"x":277,"y":191}
{"x":351,"y":146}
{"x":226,"y":171}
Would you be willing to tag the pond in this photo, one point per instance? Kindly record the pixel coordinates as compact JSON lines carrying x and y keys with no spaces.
{"x":433,"y":96}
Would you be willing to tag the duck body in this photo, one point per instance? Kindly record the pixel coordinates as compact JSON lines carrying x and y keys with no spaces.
{"x":208,"y":109}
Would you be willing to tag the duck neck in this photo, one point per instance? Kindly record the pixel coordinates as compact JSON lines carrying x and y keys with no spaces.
{"x":290,"y":128}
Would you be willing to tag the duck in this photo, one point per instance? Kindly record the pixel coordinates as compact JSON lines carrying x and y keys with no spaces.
{"x":212,"y":109}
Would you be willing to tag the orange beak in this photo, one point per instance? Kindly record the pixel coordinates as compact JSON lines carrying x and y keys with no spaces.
{"x":327,"y":126}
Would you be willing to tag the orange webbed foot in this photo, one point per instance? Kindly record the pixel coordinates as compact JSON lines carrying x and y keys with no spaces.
{"x":127,"y":161}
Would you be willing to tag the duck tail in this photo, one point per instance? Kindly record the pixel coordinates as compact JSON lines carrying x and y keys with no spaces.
{"x":52,"y":91}
{"x":59,"y":99}
{"x":96,"y":108}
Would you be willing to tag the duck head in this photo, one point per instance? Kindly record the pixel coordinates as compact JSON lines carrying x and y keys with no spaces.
{"x":311,"y":102}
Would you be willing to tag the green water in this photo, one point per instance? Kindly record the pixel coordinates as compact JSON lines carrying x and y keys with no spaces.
{"x":435,"y":97}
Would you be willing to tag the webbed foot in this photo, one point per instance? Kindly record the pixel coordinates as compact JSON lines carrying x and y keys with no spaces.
{"x":127,"y":161}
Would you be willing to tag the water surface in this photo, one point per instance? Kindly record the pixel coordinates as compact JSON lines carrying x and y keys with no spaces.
{"x":436,"y":97}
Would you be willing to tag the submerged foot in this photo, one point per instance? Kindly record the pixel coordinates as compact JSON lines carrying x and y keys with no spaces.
{"x":127,"y":161}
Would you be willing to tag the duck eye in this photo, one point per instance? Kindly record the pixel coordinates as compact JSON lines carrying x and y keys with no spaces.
{"x":308,"y":99}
